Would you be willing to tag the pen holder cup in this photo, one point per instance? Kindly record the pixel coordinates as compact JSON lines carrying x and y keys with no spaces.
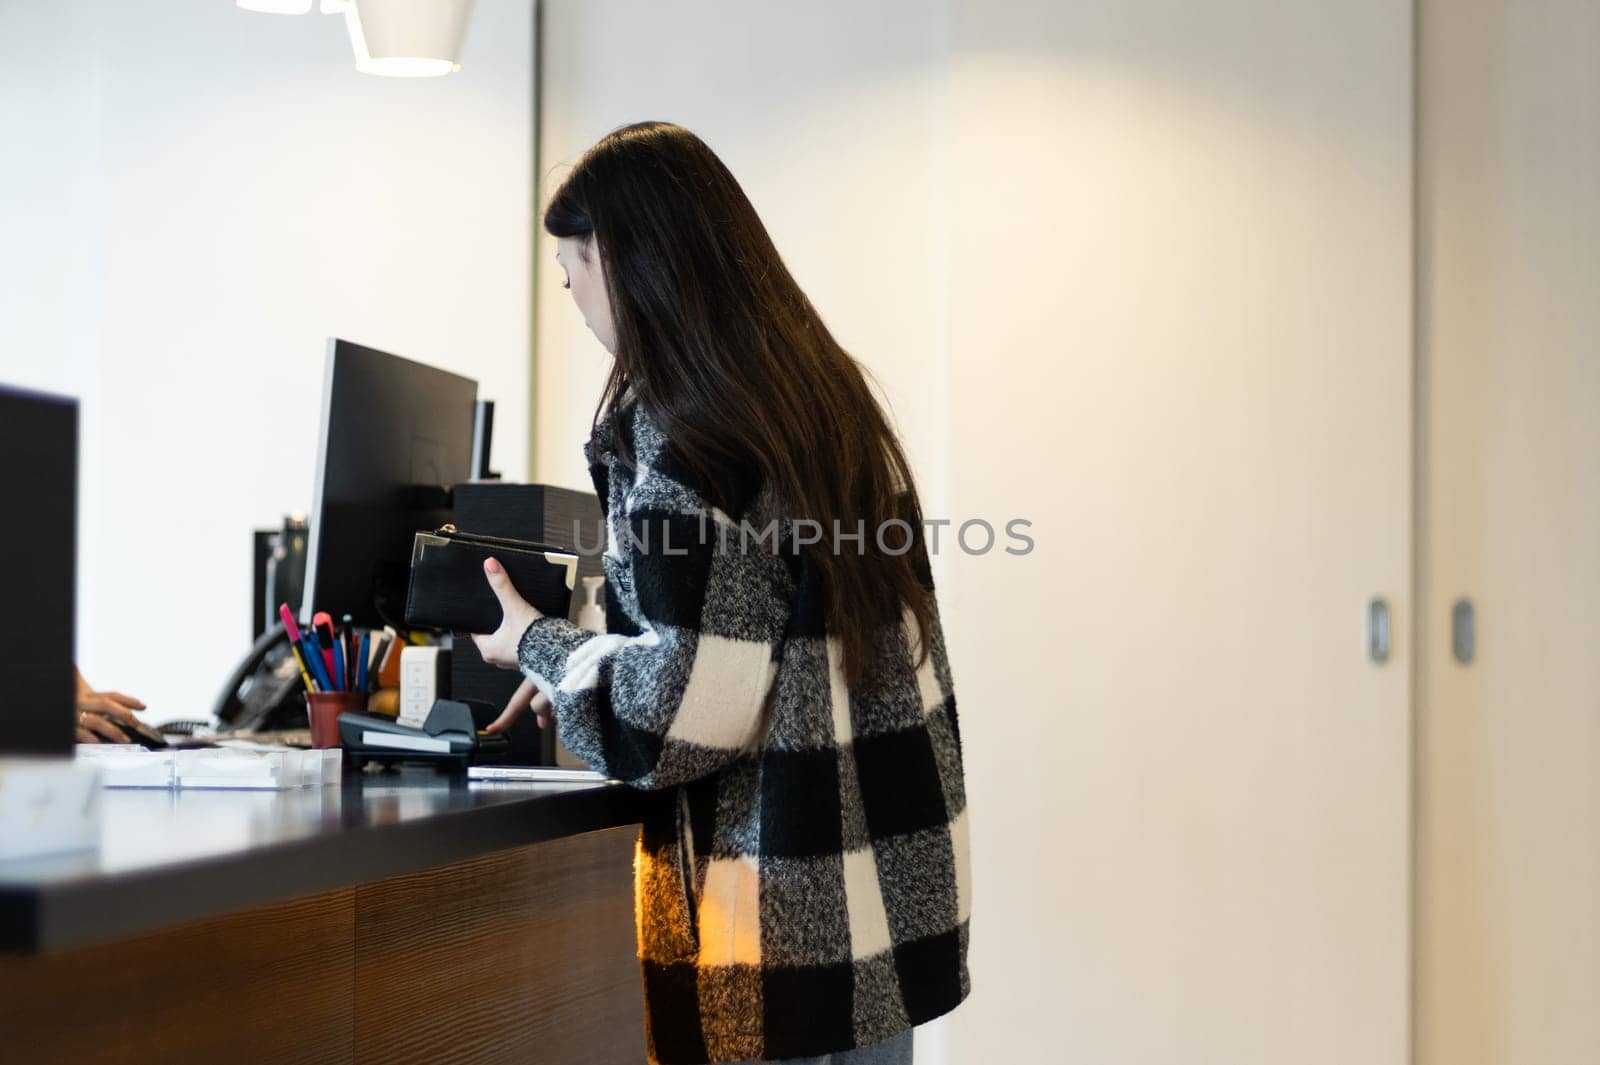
{"x":324,"y":708}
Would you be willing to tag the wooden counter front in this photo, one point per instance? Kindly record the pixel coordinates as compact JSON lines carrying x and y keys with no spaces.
{"x":523,"y":954}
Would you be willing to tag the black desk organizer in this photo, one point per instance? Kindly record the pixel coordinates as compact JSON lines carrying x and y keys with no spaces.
{"x":563,"y":517}
{"x":451,"y":721}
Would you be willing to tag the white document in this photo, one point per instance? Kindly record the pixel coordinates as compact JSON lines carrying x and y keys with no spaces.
{"x":543,"y":773}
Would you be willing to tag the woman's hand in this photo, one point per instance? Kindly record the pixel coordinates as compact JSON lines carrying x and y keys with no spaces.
{"x":96,"y":712}
{"x":499,"y":648}
{"x":526,"y":697}
{"x":93,"y":727}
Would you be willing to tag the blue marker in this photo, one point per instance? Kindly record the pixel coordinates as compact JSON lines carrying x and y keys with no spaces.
{"x":338,"y":664}
{"x":313,"y":656}
{"x":361,"y":662}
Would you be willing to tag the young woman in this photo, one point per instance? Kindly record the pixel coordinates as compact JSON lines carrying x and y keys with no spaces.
{"x":773,"y":658}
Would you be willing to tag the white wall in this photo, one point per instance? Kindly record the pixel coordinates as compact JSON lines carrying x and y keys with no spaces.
{"x":192,"y":198}
{"x":831,"y":135}
{"x":1191,"y":366}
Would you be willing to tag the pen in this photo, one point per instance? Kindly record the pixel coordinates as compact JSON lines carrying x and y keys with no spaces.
{"x":379,"y":641}
{"x":313,"y":655}
{"x":338,"y":664}
{"x":299,"y":660}
{"x":347,"y":635}
{"x":382,"y":655}
{"x":293,"y":632}
{"x":361,"y":662}
{"x":288,"y":622}
{"x":322,"y":624}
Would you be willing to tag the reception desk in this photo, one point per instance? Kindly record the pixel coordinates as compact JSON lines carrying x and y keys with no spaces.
{"x":402,"y":917}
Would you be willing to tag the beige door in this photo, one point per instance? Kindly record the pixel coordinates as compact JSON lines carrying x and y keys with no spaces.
{"x":1508,"y":874}
{"x":1180,"y":344}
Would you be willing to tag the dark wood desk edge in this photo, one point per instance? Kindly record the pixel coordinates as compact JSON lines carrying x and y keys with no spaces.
{"x":52,"y":917}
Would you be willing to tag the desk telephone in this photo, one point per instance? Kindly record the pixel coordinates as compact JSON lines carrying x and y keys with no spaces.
{"x":264,"y":691}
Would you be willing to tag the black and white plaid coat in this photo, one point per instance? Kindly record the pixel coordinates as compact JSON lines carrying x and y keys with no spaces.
{"x":807,"y":889}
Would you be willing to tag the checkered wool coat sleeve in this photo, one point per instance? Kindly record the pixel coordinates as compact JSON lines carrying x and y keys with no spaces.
{"x":805,"y":888}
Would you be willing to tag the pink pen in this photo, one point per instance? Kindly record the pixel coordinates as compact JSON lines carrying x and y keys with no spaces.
{"x":288,"y":623}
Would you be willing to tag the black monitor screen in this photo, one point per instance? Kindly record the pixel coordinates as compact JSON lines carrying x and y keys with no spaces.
{"x":396,"y":435}
{"x":39,"y":467}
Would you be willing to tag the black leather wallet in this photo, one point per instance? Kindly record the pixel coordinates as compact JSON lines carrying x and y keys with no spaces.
{"x":448,"y":589}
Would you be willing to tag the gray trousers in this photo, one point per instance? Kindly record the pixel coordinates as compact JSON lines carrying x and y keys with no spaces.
{"x":896,"y":1050}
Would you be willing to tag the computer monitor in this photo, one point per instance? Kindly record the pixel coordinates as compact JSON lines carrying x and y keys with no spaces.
{"x":396,"y":434}
{"x":39,"y":469}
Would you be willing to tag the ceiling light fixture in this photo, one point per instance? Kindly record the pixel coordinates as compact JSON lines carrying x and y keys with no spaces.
{"x":395,"y":38}
{"x":407,"y":38}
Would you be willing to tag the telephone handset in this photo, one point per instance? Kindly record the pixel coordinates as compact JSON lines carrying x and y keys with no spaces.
{"x":264,"y":690}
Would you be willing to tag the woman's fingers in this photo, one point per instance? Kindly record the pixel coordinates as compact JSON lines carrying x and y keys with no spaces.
{"x":101,"y":704}
{"x":101,"y":725}
{"x":516,"y":706}
{"x":84,"y":735}
{"x":124,"y":700}
{"x":500,"y":584}
{"x":542,"y":710}
{"x":499,"y":648}
{"x":526,"y":697}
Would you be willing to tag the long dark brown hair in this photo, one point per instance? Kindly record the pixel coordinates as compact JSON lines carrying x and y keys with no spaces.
{"x":732,"y":362}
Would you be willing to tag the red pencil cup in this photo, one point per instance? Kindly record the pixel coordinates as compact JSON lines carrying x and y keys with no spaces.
{"x":324,"y":708}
